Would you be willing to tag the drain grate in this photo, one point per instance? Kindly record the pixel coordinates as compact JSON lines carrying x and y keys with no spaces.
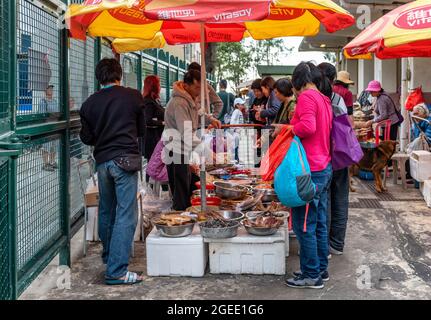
{"x":386,"y":196}
{"x":366,"y":204}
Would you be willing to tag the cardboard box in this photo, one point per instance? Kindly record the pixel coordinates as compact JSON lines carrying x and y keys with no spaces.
{"x":92,"y":196}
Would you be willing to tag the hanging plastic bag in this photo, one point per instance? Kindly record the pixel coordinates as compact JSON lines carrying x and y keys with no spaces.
{"x":156,"y":169}
{"x":414,"y":98}
{"x":420,"y":143}
{"x":276,"y":153}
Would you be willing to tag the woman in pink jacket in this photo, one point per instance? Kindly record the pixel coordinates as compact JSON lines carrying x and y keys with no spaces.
{"x":312,"y":123}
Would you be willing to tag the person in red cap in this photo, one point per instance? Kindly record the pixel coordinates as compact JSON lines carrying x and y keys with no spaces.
{"x":384,"y":108}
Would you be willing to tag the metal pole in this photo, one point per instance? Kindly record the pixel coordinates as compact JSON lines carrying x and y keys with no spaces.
{"x":203,"y":109}
{"x":404,"y":91}
{"x":65,"y":255}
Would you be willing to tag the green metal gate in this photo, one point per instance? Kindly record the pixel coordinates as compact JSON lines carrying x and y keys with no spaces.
{"x":44,"y":79}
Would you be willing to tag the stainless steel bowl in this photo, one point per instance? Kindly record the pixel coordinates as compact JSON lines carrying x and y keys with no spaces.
{"x":197,"y":193}
{"x":252,"y":215}
{"x":175,"y":231}
{"x":269,"y":195}
{"x":219,"y":233}
{"x":260,"y":231}
{"x":231,"y":215}
{"x":230,"y":191}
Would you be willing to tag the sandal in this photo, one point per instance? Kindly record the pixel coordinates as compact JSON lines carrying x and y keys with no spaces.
{"x":130,"y":278}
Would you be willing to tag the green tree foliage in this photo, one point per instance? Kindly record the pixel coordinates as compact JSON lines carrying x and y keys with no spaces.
{"x":236,"y":59}
{"x":233,"y":61}
{"x":330,"y":57}
{"x":268,"y":51}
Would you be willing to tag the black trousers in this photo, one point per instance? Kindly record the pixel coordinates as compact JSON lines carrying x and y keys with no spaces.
{"x":393,"y":132}
{"x":180,"y":179}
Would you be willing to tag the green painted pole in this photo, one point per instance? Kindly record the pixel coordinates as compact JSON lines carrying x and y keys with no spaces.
{"x":12,"y":179}
{"x":65,"y":258}
{"x":168,"y":76}
{"x":12,"y":62}
{"x":97,"y":58}
{"x":140,"y":85}
{"x":13,"y":207}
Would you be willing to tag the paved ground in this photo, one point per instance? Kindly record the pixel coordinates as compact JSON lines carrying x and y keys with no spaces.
{"x":389,"y":237}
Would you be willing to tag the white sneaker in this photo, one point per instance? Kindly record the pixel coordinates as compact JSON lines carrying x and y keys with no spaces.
{"x":335,"y":252}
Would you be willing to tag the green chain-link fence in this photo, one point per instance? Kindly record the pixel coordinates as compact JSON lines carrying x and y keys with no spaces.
{"x":38,"y":62}
{"x":5,"y":236}
{"x":4,"y":60}
{"x":44,"y":79}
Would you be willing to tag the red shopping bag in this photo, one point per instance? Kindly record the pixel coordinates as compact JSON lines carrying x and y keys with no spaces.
{"x":414,"y":98}
{"x":276,"y":152}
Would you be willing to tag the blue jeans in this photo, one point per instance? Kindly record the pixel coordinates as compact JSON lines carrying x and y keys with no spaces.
{"x":314,"y":242}
{"x":118,"y":216}
{"x":339,"y":208}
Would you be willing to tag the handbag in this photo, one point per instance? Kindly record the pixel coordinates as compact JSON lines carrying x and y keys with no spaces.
{"x":397,"y":112}
{"x":130,"y":162}
{"x":420,"y":143}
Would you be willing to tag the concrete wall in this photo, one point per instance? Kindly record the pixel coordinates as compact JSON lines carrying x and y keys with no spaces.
{"x":351,"y":66}
{"x":420,"y":74}
{"x":365,"y":74}
{"x":386,"y":71}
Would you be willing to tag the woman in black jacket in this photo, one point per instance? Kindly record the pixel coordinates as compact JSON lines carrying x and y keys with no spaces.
{"x":154,"y":115}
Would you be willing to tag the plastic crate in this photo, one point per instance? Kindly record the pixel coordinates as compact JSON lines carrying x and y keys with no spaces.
{"x":366,"y":175}
{"x":186,"y":256}
{"x":248,"y":254}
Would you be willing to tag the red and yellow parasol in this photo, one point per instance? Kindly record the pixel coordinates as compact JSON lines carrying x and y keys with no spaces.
{"x":403,"y":32}
{"x":139,"y":24}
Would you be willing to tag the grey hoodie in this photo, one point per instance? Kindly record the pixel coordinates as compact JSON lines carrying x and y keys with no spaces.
{"x":182,"y":115}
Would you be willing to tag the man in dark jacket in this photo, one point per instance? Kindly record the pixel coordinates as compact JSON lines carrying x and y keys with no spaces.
{"x":227,"y":99}
{"x":110,"y":121}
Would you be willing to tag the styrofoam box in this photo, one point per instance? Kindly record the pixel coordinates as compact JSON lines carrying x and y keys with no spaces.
{"x":420,"y":165}
{"x":427,"y":192}
{"x":186,"y":256}
{"x":248,"y":254}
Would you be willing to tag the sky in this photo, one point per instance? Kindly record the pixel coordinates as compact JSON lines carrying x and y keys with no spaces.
{"x":295,"y":57}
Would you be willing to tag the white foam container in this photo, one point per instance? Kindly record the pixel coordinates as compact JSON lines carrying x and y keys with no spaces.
{"x":420,"y":165}
{"x":186,"y":256}
{"x":248,"y":254}
{"x":427,"y":192}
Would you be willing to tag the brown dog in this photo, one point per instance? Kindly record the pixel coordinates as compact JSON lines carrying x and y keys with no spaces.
{"x":375,"y":160}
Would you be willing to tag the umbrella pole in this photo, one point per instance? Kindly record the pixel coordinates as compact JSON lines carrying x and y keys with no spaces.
{"x":404,"y":92}
{"x":203,"y":109}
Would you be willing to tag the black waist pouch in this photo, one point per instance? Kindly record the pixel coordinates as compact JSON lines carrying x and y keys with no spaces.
{"x":131,"y":162}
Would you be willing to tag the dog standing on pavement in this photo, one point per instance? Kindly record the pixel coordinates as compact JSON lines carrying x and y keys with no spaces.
{"x":375,"y":160}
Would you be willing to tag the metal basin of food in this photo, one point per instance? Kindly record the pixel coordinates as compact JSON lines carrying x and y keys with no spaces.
{"x":269,"y":195}
{"x":175,"y":231}
{"x":252,"y":215}
{"x":260,"y":231}
{"x":230,"y":191}
{"x":231,"y":215}
{"x":219,"y":232}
